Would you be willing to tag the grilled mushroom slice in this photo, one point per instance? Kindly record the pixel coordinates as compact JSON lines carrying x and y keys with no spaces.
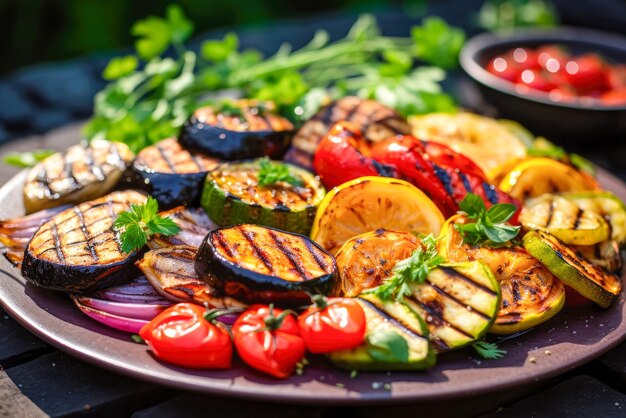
{"x":374,"y":120}
{"x":78,"y":250}
{"x":79,"y":174}
{"x":237,"y":130}
{"x":194,"y":225}
{"x":172,"y":273}
{"x":170,"y":173}
{"x":256,"y":264}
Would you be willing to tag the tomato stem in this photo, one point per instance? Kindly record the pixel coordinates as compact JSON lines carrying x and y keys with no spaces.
{"x":272,"y":322}
{"x":212,"y":314}
{"x":320,"y":301}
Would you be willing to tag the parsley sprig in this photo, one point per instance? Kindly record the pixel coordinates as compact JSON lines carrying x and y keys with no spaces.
{"x":489,"y":351}
{"x":411,"y":270}
{"x":140,"y":223}
{"x":151,"y":93}
{"x":489,"y":226}
{"x":274,"y":172}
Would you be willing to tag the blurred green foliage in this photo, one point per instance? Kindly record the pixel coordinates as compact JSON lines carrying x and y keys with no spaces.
{"x":49,"y":30}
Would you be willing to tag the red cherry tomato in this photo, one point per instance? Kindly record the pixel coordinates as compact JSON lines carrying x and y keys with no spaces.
{"x":614,"y":97}
{"x":548,"y":56}
{"x":406,"y":153}
{"x":526,"y":58}
{"x":505,"y":68}
{"x":573,"y":298}
{"x":332,"y":324}
{"x":587,"y":74}
{"x":268,"y":340}
{"x":343,"y":155}
{"x":181,"y":335}
{"x":534,"y":79}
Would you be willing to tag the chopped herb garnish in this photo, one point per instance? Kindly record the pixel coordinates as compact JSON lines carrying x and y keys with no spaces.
{"x":410,"y":270}
{"x":488,"y":351}
{"x":388,"y":345}
{"x":27,"y":159}
{"x":490,"y":227}
{"x":140,"y":223}
{"x":136,"y":338}
{"x":274,"y":172}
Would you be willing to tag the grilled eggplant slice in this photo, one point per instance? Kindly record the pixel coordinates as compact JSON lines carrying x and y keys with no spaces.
{"x":194,"y":225}
{"x":384,"y":317}
{"x":239,"y":130}
{"x":565,"y":220}
{"x":374,"y":120}
{"x":564,"y":262}
{"x":172,"y":273}
{"x":17,"y":232}
{"x":81,"y":173}
{"x":233,"y":196}
{"x":367,"y":260}
{"x":256,"y":264}
{"x":78,"y":250}
{"x":170,"y":173}
{"x":531,"y":294}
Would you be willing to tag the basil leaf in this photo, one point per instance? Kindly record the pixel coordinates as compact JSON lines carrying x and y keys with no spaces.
{"x":501,"y":233}
{"x":501,"y":212}
{"x":472,"y":204}
{"x":388,"y":346}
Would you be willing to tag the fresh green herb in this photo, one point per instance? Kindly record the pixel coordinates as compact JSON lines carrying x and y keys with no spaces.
{"x":387,"y":345}
{"x":150,"y":96}
{"x":490,"y":227}
{"x":140,"y":223}
{"x":488,"y":351}
{"x":273,"y":172}
{"x":27,"y":159}
{"x":510,"y":14}
{"x":414,"y":269}
{"x":136,"y":338}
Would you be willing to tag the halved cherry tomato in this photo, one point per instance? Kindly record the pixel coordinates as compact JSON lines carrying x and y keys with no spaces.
{"x":332,"y":324}
{"x":406,"y":153}
{"x":182,"y":336}
{"x":343,"y":155}
{"x":268,"y":340}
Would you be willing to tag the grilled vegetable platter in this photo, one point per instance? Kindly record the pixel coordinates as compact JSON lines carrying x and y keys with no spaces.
{"x":354,"y":237}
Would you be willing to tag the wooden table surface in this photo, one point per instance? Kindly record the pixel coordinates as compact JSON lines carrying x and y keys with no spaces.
{"x":38,"y":380}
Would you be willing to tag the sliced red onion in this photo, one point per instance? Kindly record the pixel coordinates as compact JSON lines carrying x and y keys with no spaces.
{"x":131,"y":325}
{"x":145,"y":311}
{"x":138,"y":291}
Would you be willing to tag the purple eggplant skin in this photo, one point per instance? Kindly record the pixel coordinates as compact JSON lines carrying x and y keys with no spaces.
{"x":250,"y":286}
{"x":233,"y":145}
{"x":170,"y":190}
{"x":78,"y":279}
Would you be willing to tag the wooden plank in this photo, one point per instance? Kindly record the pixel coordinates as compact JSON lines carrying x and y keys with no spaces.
{"x":61,"y":385}
{"x":581,"y":396}
{"x":193,"y":405}
{"x":13,"y":403}
{"x":16,"y":343}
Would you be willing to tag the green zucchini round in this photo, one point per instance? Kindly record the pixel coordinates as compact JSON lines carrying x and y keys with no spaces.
{"x":233,"y":196}
{"x":256,"y":264}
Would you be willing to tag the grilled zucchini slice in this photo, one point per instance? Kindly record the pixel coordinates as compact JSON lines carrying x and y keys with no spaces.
{"x":256,"y":264}
{"x":79,"y":174}
{"x":237,"y":130}
{"x":587,"y":279}
{"x":531,"y":294}
{"x":233,"y":196}
{"x":78,"y":250}
{"x":388,"y":317}
{"x":459,"y":302}
{"x":608,"y":206}
{"x":376,"y":121}
{"x":565,"y":220}
{"x":171,"y":174}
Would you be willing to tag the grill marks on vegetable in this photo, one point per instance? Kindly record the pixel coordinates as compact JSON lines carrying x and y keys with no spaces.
{"x":76,"y":175}
{"x":246,"y":117}
{"x":376,"y":121}
{"x":271,"y":252}
{"x":168,"y":156}
{"x":84,"y":235}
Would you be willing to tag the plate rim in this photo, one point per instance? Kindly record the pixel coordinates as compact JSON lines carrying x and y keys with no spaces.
{"x":311,"y":397}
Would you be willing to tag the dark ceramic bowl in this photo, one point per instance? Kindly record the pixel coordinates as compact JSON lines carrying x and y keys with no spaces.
{"x":571,"y":122}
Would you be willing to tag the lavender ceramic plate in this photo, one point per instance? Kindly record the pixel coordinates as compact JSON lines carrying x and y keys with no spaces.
{"x":573,"y":337}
